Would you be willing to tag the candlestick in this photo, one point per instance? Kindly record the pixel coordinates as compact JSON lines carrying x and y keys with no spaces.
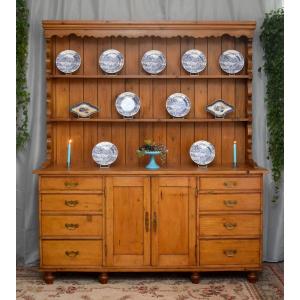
{"x":234,"y":155}
{"x":69,"y":154}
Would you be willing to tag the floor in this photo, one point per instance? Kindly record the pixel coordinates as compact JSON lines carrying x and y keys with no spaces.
{"x":140,"y":286}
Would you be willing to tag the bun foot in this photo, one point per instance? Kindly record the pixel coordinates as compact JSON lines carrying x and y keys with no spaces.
{"x":103,"y":278}
{"x":195,"y":277}
{"x":48,"y":277}
{"x":252,"y":277}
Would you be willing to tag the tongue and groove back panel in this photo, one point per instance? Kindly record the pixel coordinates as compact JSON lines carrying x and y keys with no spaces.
{"x":153,"y":92}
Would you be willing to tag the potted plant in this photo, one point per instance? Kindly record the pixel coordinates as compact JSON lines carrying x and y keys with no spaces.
{"x":152,"y":149}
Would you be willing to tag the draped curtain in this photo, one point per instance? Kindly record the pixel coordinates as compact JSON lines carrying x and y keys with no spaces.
{"x":34,"y":154}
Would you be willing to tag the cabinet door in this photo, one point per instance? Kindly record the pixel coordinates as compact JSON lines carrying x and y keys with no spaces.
{"x":128,"y":221}
{"x":173,"y":221}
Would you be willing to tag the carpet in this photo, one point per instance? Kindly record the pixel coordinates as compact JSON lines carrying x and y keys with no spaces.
{"x":140,"y":286}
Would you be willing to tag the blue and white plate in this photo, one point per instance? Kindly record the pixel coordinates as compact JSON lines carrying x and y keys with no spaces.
{"x":84,"y":109}
{"x":202,"y":153}
{"x":111,"y":61}
{"x":231,"y":61}
{"x":68,"y":61}
{"x":219,"y":108}
{"x":178,"y":105}
{"x":193,"y":61}
{"x":128,"y":104}
{"x":105,"y":153}
{"x":154,"y":62}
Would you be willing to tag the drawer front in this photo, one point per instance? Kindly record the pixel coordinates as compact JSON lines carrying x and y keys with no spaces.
{"x":71,"y":253}
{"x":71,"y":202}
{"x":230,"y":225}
{"x":71,"y":183}
{"x":72,"y":225}
{"x":229,"y":252}
{"x":230,"y":183}
{"x":229,"y":202}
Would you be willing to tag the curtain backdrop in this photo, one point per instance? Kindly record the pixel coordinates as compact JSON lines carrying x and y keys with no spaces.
{"x":34,"y":154}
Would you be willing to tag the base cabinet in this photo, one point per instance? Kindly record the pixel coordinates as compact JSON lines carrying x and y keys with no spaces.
{"x":150,"y":223}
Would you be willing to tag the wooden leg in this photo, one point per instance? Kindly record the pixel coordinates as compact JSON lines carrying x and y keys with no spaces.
{"x":48,"y":277}
{"x":103,"y":278}
{"x":195,"y":277}
{"x":252,"y":277}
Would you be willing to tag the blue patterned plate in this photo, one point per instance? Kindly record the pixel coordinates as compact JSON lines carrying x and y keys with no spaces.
{"x":128,"y":104}
{"x":202,"y":153}
{"x":111,"y":61}
{"x":68,"y":61}
{"x":178,"y":105}
{"x":231,"y":61}
{"x":193,"y":61}
{"x":153,"y":62}
{"x":84,"y":109}
{"x":105,"y":153}
{"x":219,"y":108}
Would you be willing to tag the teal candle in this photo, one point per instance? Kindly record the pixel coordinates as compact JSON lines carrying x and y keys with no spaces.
{"x":234,"y":154}
{"x":69,"y":154}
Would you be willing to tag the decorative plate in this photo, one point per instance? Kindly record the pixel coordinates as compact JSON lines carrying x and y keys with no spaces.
{"x":84,"y":109}
{"x":193,"y":61}
{"x":128,"y":104}
{"x":178,"y":105}
{"x":105,"y":153}
{"x":202,"y":153}
{"x":231,"y":61}
{"x":153,"y":62}
{"x":68,"y":61}
{"x":111,"y":61}
{"x":219,"y":108}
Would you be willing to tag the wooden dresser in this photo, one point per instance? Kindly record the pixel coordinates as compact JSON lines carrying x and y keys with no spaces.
{"x":127,"y":218}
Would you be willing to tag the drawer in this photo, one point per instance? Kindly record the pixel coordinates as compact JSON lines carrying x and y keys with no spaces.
{"x":229,"y":202}
{"x":71,"y":225}
{"x":227,"y":225}
{"x":71,"y":202}
{"x":230,"y":183}
{"x":229,"y":252}
{"x":71,"y":183}
{"x":71,"y":253}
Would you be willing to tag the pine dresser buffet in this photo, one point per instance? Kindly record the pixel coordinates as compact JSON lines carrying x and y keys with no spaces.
{"x":126,"y":218}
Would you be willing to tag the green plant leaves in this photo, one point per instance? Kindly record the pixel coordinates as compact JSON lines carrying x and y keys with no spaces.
{"x":272,"y":40}
{"x":22,"y":94}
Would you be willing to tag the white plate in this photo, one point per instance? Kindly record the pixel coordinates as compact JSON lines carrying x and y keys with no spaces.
{"x":111,"y":61}
{"x":68,"y":61}
{"x":231,"y":61}
{"x":128,"y":104}
{"x":202,"y":153}
{"x":153,"y":62}
{"x":219,"y":108}
{"x":193,"y":61}
{"x":105,"y":153}
{"x":84,"y":109}
{"x":178,"y":105}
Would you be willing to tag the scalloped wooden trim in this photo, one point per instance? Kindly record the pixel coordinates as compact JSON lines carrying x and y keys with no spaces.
{"x":49,"y":67}
{"x":167,"y":29}
{"x":249,"y":131}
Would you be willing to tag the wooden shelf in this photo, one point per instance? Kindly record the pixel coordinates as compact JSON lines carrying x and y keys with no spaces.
{"x":151,"y":76}
{"x":148,"y":120}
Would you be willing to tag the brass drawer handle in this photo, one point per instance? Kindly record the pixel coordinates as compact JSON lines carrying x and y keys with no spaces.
{"x":147,"y":221}
{"x":71,"y":203}
{"x":230,"y":226}
{"x":72,"y":253}
{"x":71,"y":226}
{"x":154,"y":223}
{"x":230,"y":252}
{"x":230,"y":184}
{"x":71,"y":184}
{"x":230,"y":203}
